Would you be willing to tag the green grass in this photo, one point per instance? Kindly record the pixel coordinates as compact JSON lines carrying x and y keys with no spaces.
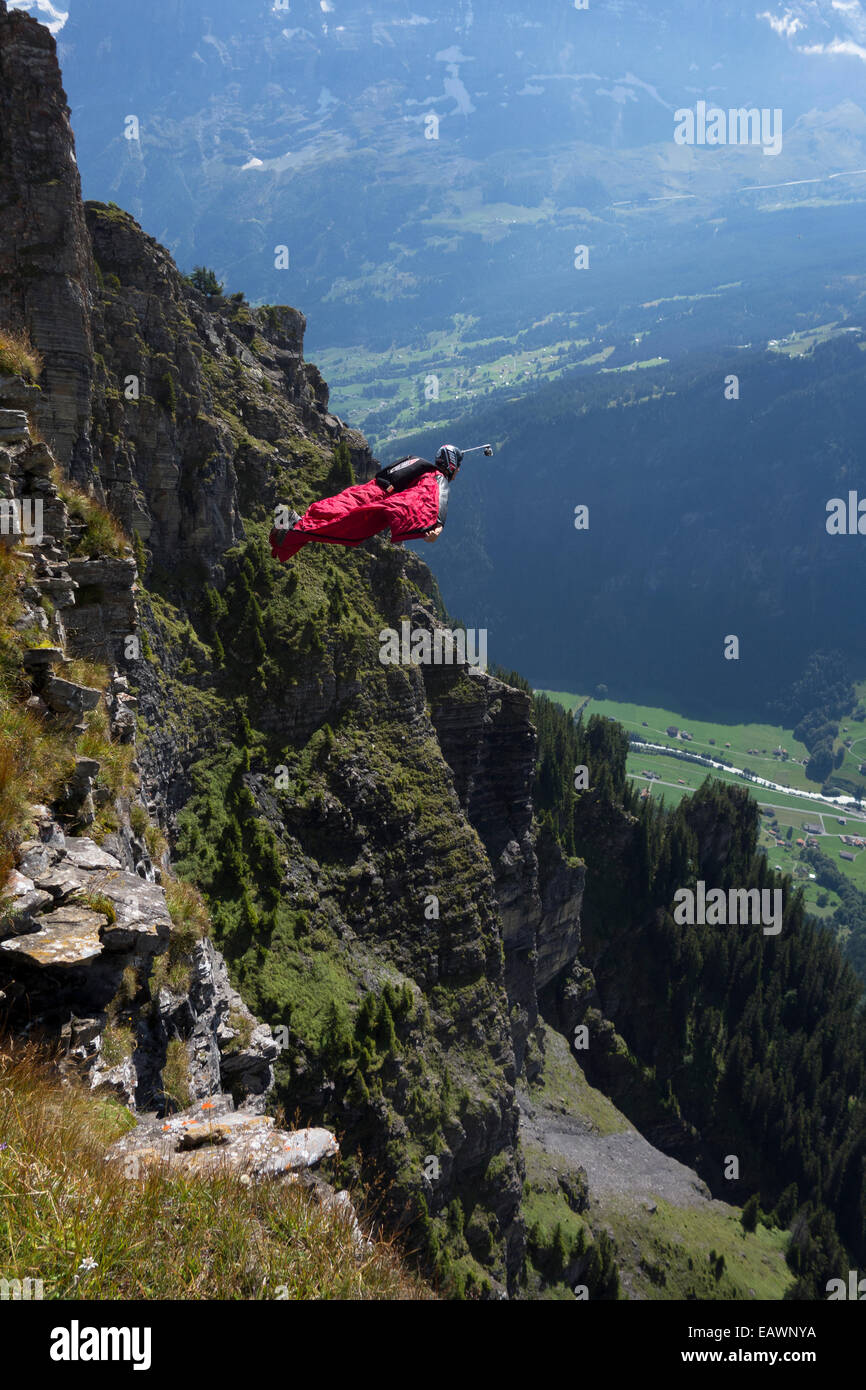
{"x":190,"y":924}
{"x":670,"y":1237}
{"x":692,"y":775}
{"x":798,"y":343}
{"x":635,"y":366}
{"x":89,"y":1232}
{"x":741,"y":737}
{"x":653,"y":1248}
{"x":365,"y":383}
{"x":103,"y":533}
{"x":18,"y":357}
{"x":35,"y":761}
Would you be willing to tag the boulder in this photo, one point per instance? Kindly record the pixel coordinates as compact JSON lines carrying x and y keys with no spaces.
{"x":86,"y":854}
{"x":142,"y":918}
{"x":65,"y":937}
{"x":20,"y":903}
{"x":35,"y":857}
{"x":60,"y":882}
{"x":67,"y":697}
{"x":37,"y":460}
{"x":212,"y":1138}
{"x":38,"y":658}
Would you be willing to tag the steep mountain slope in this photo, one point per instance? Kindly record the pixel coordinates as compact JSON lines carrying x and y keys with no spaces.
{"x":318,"y":874}
{"x":392,"y":880}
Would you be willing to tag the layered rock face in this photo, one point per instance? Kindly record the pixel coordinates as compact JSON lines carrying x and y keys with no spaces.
{"x":194,"y":400}
{"x":46,"y":269}
{"x":81,"y":923}
{"x":486,"y":736}
{"x":406,"y":857}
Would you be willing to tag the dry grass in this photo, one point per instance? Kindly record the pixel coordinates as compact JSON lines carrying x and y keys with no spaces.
{"x":175,"y":1075}
{"x":36,"y":760}
{"x":74,"y":1221}
{"x":103,"y":533}
{"x":18,"y":357}
{"x":188,"y":911}
{"x":83,"y":672}
{"x":115,"y":759}
{"x":34,"y":764}
{"x":190,"y":923}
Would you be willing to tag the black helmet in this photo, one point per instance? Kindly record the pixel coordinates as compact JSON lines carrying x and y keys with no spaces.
{"x":448,"y":460}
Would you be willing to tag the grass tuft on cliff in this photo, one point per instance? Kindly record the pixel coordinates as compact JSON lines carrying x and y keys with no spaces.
{"x":34,"y":760}
{"x":18,"y":357}
{"x":103,"y":533}
{"x":87,"y":1231}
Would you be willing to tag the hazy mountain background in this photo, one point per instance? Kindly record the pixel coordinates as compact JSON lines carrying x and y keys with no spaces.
{"x":304,"y":125}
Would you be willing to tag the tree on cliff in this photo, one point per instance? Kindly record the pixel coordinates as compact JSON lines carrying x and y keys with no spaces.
{"x":205,"y":280}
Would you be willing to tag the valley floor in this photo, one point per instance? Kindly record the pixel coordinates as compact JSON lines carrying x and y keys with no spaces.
{"x":659,"y":1213}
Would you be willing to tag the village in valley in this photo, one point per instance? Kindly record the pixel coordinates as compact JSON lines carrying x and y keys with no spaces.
{"x":670,"y":757}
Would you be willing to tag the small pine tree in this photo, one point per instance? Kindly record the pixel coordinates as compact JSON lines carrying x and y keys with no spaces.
{"x":786,"y":1207}
{"x":386,"y":1036}
{"x":140,"y":556}
{"x":559,"y":1251}
{"x":342,"y":474}
{"x":455,"y":1217}
{"x":751,"y":1212}
{"x":205,"y":281}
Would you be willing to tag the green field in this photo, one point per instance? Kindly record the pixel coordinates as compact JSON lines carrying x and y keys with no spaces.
{"x":672,"y":779}
{"x":467,"y":370}
{"x":800,"y":342}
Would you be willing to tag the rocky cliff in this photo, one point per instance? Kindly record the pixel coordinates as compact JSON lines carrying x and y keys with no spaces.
{"x":46,"y":268}
{"x":364,"y":834}
{"x":83,"y":923}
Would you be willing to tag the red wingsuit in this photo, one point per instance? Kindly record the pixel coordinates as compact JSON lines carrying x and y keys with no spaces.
{"x":416,"y":506}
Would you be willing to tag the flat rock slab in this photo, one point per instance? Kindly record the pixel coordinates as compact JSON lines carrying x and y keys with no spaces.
{"x":65,"y":937}
{"x":60,"y":882}
{"x":230,"y":1142}
{"x":20,"y":902}
{"x":140,"y":907}
{"x":13,"y":425}
{"x":86,"y":854}
{"x":18,"y":885}
{"x":42,"y":656}
{"x":220,"y":1131}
